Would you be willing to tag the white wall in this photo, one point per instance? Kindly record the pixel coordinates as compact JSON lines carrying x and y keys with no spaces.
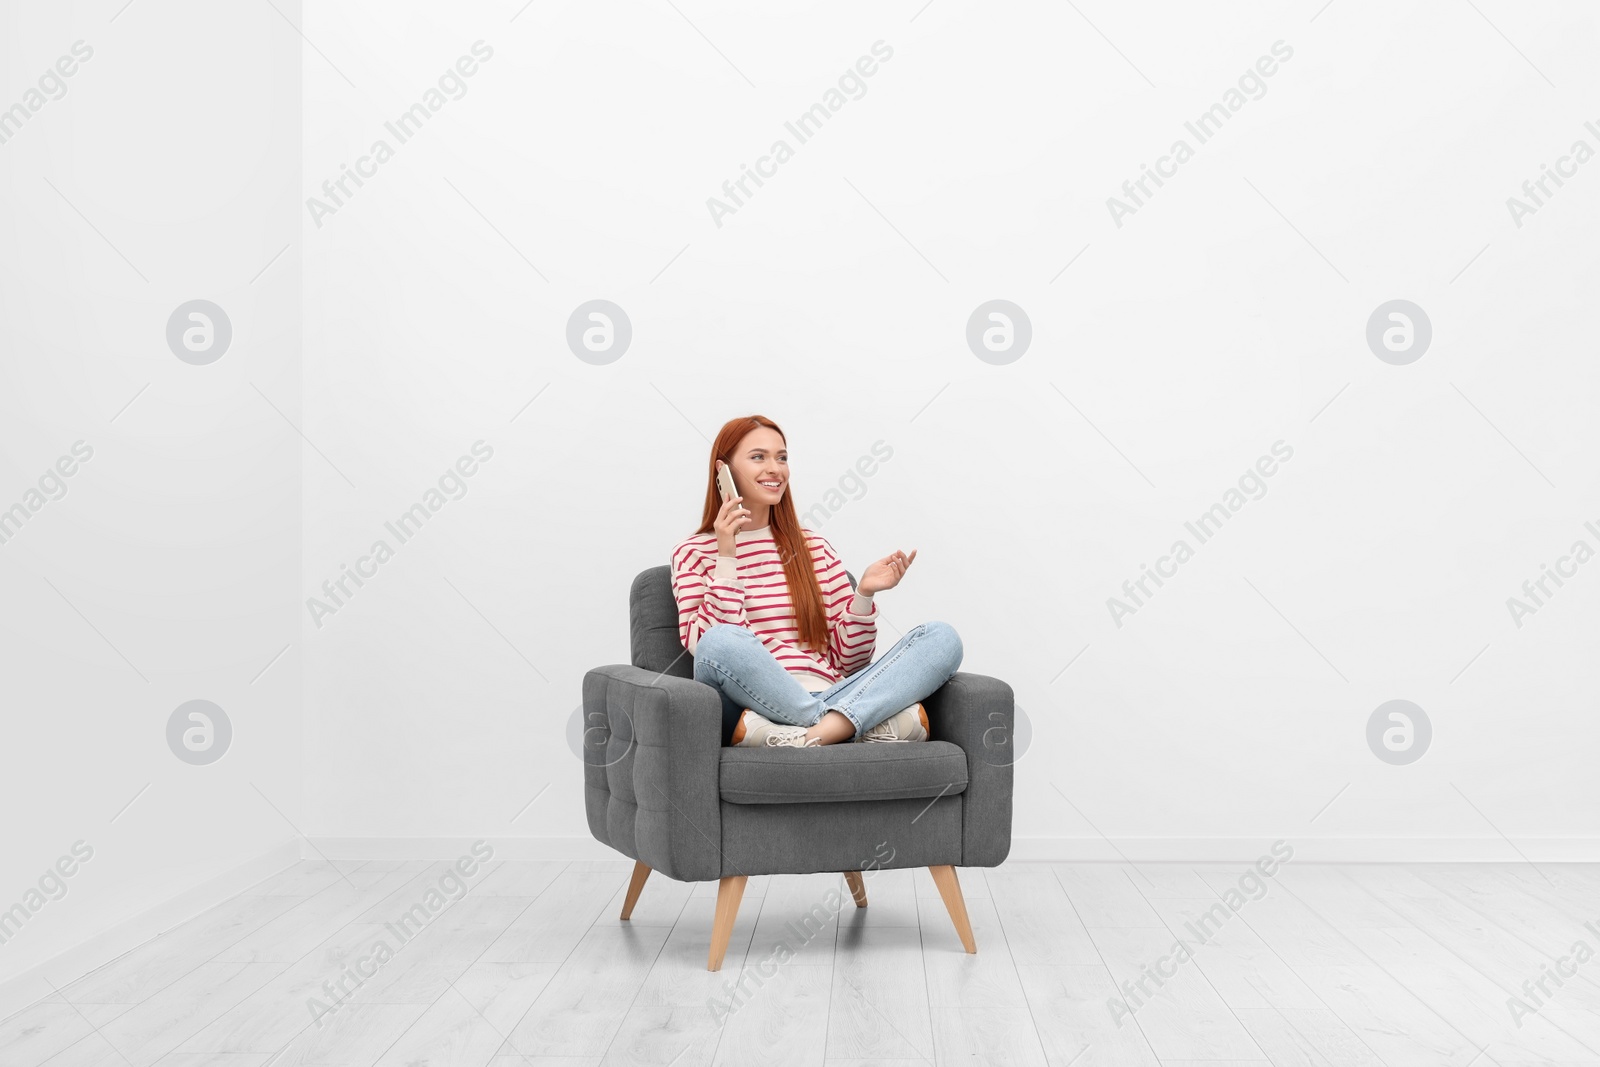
{"x":168,"y":571}
{"x":1222,"y":317}
{"x":1227,"y":314}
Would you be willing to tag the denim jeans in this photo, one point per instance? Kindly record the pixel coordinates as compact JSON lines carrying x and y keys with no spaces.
{"x":733,"y":660}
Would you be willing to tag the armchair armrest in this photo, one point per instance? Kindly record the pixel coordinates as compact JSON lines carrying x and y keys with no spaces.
{"x":978,"y":713}
{"x":651,"y":758}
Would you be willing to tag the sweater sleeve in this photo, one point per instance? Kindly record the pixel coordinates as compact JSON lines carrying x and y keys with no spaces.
{"x":708,"y":590}
{"x":852,"y":636}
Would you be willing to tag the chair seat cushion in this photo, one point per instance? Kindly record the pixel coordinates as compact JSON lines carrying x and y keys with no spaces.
{"x":846,"y":771}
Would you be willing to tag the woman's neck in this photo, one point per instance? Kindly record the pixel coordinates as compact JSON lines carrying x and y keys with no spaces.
{"x":760,"y":515}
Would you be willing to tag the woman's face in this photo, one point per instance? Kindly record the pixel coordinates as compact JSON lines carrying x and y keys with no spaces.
{"x":760,"y":466}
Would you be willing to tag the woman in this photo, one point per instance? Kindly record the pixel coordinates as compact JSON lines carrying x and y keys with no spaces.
{"x":765,"y":608}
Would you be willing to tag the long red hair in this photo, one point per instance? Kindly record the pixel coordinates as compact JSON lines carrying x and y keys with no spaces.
{"x":805,"y":594}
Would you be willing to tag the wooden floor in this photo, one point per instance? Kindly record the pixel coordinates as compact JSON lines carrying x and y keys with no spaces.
{"x":1334,"y":966}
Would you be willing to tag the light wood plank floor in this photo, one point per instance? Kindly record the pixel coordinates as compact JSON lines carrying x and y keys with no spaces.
{"x":1321,"y":966}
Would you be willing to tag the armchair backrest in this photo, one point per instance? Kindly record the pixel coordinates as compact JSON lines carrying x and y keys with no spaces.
{"x":653,"y":624}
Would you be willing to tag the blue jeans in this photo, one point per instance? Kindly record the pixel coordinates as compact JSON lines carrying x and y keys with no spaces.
{"x":733,"y":660}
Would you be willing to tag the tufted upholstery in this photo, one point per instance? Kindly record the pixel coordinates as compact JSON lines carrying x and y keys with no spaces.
{"x":660,"y":788}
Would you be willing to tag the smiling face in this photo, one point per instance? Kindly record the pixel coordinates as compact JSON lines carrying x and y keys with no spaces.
{"x":760,"y":467}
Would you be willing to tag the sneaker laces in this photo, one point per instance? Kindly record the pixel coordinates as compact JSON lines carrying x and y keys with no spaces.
{"x":785,"y":739}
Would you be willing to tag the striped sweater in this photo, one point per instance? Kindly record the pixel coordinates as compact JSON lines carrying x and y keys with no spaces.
{"x":750,"y":590}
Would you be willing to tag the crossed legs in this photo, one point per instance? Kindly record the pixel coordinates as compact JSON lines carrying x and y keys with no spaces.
{"x":733,"y":660}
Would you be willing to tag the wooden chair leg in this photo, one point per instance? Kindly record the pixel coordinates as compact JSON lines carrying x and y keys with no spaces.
{"x":729,"y":892}
{"x":945,"y":878}
{"x":858,"y":888}
{"x":635,"y":885}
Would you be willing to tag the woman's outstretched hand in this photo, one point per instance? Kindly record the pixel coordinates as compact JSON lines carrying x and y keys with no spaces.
{"x":885,"y":573}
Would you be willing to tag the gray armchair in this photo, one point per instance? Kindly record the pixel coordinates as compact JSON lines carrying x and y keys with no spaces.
{"x":661,"y":788}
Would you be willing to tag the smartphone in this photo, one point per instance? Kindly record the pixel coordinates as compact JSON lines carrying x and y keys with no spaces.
{"x":725,"y":483}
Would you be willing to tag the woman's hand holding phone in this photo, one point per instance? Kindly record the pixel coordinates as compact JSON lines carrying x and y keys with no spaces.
{"x":885,"y":573}
{"x":733,"y":515}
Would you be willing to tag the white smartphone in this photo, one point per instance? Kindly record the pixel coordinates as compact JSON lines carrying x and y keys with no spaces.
{"x":725,"y":483}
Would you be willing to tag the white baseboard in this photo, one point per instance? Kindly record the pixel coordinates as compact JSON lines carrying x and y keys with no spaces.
{"x":1307,"y":849}
{"x":449,"y":848}
{"x":1055,"y":849}
{"x":34,"y":984}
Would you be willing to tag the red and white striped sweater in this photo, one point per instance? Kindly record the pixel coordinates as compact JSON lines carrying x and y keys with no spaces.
{"x":750,"y":590}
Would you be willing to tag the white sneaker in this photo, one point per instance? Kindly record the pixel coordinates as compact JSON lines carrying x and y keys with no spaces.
{"x":758,"y":731}
{"x":908,"y":725}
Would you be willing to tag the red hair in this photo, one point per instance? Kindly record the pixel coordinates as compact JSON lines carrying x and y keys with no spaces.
{"x":805,"y":594}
